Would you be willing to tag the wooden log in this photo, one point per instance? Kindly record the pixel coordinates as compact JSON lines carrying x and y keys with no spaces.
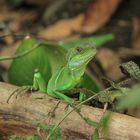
{"x":19,"y":115}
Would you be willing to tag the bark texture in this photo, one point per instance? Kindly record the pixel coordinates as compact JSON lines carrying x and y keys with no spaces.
{"x":19,"y":115}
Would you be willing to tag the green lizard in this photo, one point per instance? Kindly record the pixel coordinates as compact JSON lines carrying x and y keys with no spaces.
{"x":68,"y":76}
{"x":48,"y":58}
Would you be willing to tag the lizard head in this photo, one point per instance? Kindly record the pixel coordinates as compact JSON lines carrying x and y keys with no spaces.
{"x":80,"y":56}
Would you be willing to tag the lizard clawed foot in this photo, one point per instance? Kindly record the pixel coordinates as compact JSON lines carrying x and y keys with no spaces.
{"x":19,"y":91}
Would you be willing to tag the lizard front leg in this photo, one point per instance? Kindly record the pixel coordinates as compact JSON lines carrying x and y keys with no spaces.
{"x":39,"y":82}
{"x":82,"y":96}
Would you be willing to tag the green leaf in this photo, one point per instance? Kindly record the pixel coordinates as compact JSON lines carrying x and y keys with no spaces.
{"x":111,"y":95}
{"x":131,"y":100}
{"x":131,"y":68}
{"x":104,"y":123}
{"x":95,"y":135}
{"x":92,"y":123}
{"x":31,"y":138}
{"x":97,"y":40}
{"x":13,"y":137}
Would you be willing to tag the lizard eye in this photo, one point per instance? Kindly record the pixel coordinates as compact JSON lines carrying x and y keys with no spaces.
{"x":78,"y":49}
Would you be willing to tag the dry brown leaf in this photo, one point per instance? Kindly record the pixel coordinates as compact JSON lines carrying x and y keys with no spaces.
{"x":98,"y":13}
{"x":7,"y":14}
{"x":23,"y":17}
{"x":128,"y":53}
{"x":136,"y":33}
{"x":16,"y":18}
{"x":9,"y":40}
{"x":110,"y":62}
{"x":15,"y":25}
{"x":62,"y":29}
{"x":8,"y":51}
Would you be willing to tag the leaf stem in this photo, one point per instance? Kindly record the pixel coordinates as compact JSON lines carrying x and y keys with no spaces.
{"x":20,"y":54}
{"x":57,"y":125}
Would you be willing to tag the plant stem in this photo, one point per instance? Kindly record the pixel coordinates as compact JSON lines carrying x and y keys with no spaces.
{"x":57,"y":125}
{"x":19,"y":55}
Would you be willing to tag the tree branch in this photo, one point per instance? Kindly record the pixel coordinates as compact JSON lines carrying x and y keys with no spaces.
{"x":19,"y":115}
